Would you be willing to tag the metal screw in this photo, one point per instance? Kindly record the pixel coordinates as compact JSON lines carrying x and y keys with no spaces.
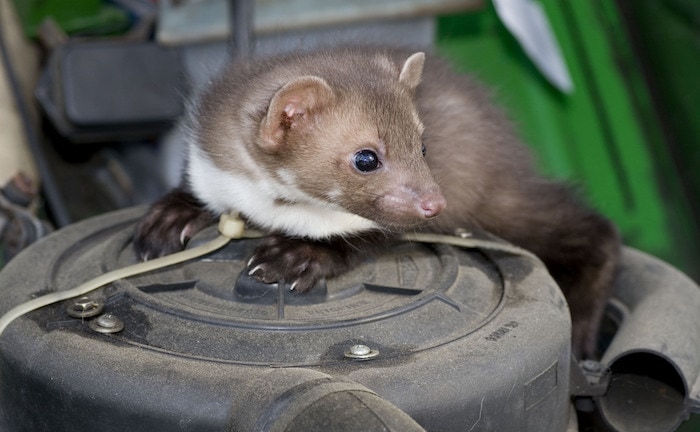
{"x":107,"y":323}
{"x":85,"y":307}
{"x":361,"y":352}
{"x":591,"y":366}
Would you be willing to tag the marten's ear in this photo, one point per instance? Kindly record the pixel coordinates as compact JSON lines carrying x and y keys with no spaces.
{"x":412,"y":70}
{"x":293,"y":107}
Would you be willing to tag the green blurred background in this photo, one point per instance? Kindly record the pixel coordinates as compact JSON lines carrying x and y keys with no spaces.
{"x":628,"y":132}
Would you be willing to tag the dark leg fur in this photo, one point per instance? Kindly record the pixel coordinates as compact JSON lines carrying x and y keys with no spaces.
{"x":302,"y":263}
{"x":176,"y":217}
{"x":169,"y":223}
{"x":579,"y":247}
{"x":585,"y":268}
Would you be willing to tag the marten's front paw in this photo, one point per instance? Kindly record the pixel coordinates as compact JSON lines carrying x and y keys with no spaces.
{"x":297,"y":262}
{"x":169,"y":224}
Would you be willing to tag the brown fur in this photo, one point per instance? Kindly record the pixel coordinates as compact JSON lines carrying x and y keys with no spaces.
{"x":309,"y":114}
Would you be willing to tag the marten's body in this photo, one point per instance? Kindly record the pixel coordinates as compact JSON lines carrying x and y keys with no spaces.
{"x":335,"y":152}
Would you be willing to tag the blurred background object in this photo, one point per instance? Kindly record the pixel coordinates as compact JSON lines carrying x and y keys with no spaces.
{"x":19,"y":227}
{"x":605,"y":93}
{"x":116,"y":73}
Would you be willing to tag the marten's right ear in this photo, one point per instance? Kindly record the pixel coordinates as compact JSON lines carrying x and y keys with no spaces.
{"x":294,"y":107}
{"x":412,"y":70}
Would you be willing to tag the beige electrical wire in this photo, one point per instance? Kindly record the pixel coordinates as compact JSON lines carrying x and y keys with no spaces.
{"x":230,"y":227}
{"x":469,"y":243}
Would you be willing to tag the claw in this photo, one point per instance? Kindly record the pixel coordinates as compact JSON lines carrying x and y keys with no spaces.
{"x":255,"y":269}
{"x":186,"y":234}
{"x":250,"y":261}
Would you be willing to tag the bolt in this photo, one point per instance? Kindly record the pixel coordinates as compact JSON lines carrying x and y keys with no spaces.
{"x":85,"y":307}
{"x":84,"y":303}
{"x":591,"y":366}
{"x":107,"y":323}
{"x":361,"y":352}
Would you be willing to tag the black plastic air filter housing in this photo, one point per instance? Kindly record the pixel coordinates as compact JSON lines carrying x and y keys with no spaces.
{"x":457,"y":340}
{"x":143,"y":83}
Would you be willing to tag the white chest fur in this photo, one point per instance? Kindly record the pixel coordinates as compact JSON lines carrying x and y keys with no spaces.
{"x":269,"y":203}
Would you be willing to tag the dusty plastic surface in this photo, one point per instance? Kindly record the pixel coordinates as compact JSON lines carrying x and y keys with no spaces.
{"x":655,"y":355}
{"x":466,"y":341}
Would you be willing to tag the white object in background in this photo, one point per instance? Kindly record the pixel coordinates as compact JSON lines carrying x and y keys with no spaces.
{"x":14,"y":148}
{"x":527,"y":22}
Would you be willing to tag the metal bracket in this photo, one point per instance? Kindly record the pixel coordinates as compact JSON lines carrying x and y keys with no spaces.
{"x":588,"y":378}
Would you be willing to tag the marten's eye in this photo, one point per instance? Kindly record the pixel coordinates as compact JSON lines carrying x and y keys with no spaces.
{"x":422,"y":149}
{"x":366,"y":160}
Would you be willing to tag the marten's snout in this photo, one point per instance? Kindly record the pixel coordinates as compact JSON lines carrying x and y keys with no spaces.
{"x":432,"y":204}
{"x":406,"y":206}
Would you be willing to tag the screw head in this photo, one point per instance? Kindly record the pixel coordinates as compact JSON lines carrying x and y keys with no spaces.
{"x":591,"y":366}
{"x":361,"y":352}
{"x":85,"y":307}
{"x":107,"y":323}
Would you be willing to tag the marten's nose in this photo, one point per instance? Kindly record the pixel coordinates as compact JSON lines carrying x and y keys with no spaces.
{"x":433,"y":204}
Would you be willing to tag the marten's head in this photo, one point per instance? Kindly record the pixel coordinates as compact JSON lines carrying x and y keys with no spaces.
{"x":354,"y":145}
{"x":339,"y":152}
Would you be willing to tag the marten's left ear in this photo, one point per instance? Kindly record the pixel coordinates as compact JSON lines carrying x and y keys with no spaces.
{"x":412,"y":70}
{"x":293,"y":107}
